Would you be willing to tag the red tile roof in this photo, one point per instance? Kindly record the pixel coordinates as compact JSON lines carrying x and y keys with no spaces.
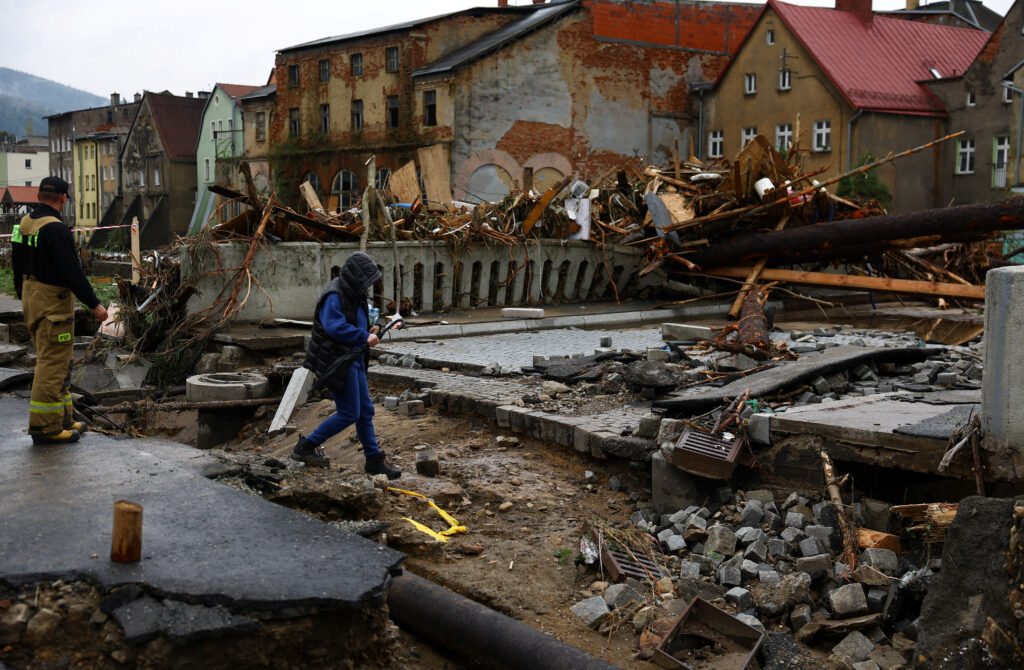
{"x":237,"y":90}
{"x":22,"y":194}
{"x":877,"y":65}
{"x":177,"y":120}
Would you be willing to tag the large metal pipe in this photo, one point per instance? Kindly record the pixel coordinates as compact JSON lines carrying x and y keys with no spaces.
{"x":488,"y":638}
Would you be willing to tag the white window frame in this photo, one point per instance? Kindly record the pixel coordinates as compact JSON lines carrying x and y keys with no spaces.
{"x":716,"y":144}
{"x":1000,"y":160}
{"x":749,"y":83}
{"x":156,"y":175}
{"x":747,"y":135}
{"x":206,"y":169}
{"x":785,"y":79}
{"x":823,"y":135}
{"x":965,"y":157}
{"x":1007,"y":95}
{"x":769,"y":37}
{"x":213,"y":131}
{"x":783,"y":136}
{"x":972,"y":99}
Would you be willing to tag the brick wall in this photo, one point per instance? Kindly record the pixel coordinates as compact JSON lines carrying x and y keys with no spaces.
{"x":704,"y":26}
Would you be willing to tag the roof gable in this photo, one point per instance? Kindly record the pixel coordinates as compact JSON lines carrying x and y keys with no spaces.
{"x":177,"y":120}
{"x":497,"y":39}
{"x":21,"y":194}
{"x":879,"y":65}
{"x":236,"y":91}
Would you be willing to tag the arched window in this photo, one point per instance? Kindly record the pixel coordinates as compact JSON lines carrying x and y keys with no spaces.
{"x":345,"y":188}
{"x":383,"y":178}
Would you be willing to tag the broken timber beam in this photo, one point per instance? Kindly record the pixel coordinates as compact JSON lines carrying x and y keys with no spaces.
{"x":828,"y":240}
{"x":542,"y":204}
{"x":287,"y":213}
{"x":885,"y":284}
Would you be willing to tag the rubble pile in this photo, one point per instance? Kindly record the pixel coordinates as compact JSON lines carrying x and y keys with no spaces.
{"x":777,"y":566}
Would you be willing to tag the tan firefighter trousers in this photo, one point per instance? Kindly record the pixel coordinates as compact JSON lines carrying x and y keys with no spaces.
{"x":50,"y":317}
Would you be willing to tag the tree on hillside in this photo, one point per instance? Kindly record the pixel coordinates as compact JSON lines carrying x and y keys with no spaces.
{"x":6,"y":137}
{"x":29,"y":132}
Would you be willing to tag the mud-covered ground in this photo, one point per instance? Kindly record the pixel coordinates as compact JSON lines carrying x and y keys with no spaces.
{"x":523,"y":504}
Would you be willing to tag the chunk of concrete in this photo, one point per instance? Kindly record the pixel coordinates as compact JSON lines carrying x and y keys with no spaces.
{"x":848,"y":601}
{"x":620,"y":595}
{"x":295,"y":396}
{"x":427,"y":464}
{"x":682,"y":332}
{"x":738,"y":596}
{"x":522,"y":313}
{"x":411,"y":408}
{"x":855,"y":647}
{"x":883,"y":560}
{"x":671,"y":488}
{"x":592,"y":611}
{"x":720,"y":541}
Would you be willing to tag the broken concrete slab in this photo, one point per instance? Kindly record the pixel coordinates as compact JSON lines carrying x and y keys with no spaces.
{"x":202,"y":541}
{"x":681,"y":332}
{"x":863,"y":430}
{"x":11,"y":378}
{"x":807,"y":367}
{"x":11,"y":352}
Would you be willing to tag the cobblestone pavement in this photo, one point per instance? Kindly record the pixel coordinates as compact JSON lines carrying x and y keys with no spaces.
{"x":608,"y":433}
{"x":516,"y":350}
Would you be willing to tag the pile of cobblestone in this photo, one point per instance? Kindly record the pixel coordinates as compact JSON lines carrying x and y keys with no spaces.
{"x":775,"y":566}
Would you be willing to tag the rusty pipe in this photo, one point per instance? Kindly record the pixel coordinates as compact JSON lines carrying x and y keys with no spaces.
{"x":488,"y":638}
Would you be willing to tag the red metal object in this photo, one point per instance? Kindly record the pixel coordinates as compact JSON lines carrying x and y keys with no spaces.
{"x":702,"y":625}
{"x":620,"y":565}
{"x":706,"y":455}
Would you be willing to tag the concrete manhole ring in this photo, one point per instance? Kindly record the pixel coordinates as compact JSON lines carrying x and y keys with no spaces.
{"x":225,"y":386}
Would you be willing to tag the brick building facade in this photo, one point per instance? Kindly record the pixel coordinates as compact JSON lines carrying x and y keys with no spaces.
{"x":563,"y":88}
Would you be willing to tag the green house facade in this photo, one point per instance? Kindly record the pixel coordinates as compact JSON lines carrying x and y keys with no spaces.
{"x":221,"y":137}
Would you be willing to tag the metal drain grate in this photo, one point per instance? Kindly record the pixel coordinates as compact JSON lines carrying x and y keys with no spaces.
{"x":706,"y":455}
{"x":621,"y":565}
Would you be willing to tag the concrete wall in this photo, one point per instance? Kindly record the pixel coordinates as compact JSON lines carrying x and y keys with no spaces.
{"x":543,"y":272}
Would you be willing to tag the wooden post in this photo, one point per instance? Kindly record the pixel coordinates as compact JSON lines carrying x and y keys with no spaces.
{"x":527,"y":179}
{"x":126,"y":540}
{"x":136,"y":253}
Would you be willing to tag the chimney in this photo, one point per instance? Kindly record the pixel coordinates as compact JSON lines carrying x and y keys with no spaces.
{"x":188,"y":94}
{"x":539,"y":2}
{"x":115,"y":99}
{"x":912,"y":4}
{"x":503,"y":3}
{"x":859,"y":8}
{"x":138,"y":96}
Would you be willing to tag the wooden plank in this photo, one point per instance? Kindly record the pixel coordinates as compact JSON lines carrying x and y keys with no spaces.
{"x":867,"y":539}
{"x":311,"y":198}
{"x":542,"y":204}
{"x":434,"y":163}
{"x":754,"y":275}
{"x":404,"y":184}
{"x":852,"y":281}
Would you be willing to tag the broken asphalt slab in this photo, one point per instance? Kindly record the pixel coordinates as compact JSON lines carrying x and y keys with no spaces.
{"x":203,"y":542}
{"x":785,"y":375}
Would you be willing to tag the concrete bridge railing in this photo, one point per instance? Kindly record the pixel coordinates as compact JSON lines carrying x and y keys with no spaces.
{"x":432,"y":276}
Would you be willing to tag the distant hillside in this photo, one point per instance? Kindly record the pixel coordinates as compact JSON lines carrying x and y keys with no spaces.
{"x":25,"y":97}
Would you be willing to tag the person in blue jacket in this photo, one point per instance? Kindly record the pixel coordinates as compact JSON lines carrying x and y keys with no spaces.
{"x":338,"y":353}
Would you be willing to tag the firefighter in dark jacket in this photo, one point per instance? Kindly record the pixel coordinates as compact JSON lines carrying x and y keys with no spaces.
{"x":48,"y":278}
{"x":338,"y":353}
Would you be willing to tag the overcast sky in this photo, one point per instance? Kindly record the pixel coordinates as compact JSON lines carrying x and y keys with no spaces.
{"x":127,"y":46}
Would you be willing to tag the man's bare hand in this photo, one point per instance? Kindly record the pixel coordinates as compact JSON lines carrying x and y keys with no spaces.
{"x":100,"y":312}
{"x":373,"y":340}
